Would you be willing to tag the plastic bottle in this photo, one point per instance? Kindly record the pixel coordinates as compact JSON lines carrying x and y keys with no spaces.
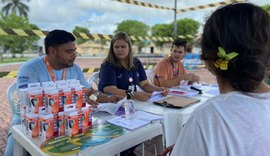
{"x":129,"y":106}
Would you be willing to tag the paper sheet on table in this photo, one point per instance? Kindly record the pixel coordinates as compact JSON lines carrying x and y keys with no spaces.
{"x":213,"y":92}
{"x":183,"y":92}
{"x":111,"y":108}
{"x":140,"y":119}
{"x":156,"y":96}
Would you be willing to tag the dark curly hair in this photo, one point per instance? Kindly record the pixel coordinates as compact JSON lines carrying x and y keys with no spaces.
{"x":243,"y":28}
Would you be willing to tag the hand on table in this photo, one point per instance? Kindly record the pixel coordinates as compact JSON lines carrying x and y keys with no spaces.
{"x":192,"y":78}
{"x":142,"y":96}
{"x":114,"y":98}
{"x":165,"y":91}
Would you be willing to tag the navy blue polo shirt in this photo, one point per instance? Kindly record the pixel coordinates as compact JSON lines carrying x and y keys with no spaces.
{"x":111,"y":75}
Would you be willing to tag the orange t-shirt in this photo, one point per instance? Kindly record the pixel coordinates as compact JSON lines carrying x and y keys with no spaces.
{"x":166,"y":70}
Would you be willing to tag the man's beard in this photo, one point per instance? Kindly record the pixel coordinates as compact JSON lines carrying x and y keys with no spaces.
{"x":66,"y":65}
{"x":174,"y":60}
{"x":69,"y":65}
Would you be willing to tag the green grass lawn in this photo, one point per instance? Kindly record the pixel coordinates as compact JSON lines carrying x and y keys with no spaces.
{"x":13,"y":60}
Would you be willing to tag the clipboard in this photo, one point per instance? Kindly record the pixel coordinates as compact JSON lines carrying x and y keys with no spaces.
{"x":177,"y":101}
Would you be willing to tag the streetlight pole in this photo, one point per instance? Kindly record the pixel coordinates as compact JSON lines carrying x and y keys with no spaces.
{"x":175,"y":14}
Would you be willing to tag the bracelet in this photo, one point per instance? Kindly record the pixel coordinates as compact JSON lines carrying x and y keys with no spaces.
{"x":109,"y":95}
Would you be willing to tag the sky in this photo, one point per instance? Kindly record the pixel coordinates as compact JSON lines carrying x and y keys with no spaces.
{"x":102,"y":16}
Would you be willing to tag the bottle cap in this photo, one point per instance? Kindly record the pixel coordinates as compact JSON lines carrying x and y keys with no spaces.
{"x":128,"y":93}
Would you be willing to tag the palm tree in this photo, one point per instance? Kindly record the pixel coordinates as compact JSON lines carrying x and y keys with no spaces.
{"x":16,"y":7}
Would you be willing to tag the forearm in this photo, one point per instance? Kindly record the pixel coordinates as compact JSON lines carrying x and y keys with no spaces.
{"x":173,"y":82}
{"x":115,"y":91}
{"x":150,"y":88}
{"x":169,"y":83}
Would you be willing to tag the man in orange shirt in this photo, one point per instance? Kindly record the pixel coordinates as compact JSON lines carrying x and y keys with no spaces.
{"x":170,"y":71}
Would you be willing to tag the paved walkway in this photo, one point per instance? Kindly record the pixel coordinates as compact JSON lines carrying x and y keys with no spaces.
{"x":5,"y":113}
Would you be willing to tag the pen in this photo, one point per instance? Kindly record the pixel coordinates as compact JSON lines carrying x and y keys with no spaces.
{"x":194,"y":88}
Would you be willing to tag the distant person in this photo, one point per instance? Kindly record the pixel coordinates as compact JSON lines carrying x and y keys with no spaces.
{"x":40,"y":51}
{"x":57,"y":64}
{"x":170,"y":71}
{"x":235,"y":123}
{"x":120,"y":71}
{"x":189,"y":49}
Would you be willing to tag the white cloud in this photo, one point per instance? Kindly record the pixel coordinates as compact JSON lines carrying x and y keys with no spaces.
{"x":102,"y":16}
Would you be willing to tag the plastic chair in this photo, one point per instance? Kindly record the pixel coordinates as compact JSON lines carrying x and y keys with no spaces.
{"x":94,"y":80}
{"x":150,"y":73}
{"x":10,"y":94}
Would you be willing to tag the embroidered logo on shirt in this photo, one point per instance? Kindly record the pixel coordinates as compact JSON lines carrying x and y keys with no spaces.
{"x":120,"y":76}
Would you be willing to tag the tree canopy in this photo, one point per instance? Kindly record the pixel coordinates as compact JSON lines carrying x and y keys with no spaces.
{"x":79,"y":29}
{"x":14,"y":43}
{"x":15,"y":7}
{"x":185,"y":27}
{"x":134,"y":28}
{"x":267,"y":8}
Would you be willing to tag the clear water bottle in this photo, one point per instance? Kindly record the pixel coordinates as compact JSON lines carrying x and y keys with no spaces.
{"x":129,"y":106}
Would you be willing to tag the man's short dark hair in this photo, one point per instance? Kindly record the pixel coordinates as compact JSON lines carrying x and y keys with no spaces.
{"x":179,"y":42}
{"x":58,"y":37}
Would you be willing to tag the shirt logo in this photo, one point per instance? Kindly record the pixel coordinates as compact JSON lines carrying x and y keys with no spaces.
{"x":120,"y":76}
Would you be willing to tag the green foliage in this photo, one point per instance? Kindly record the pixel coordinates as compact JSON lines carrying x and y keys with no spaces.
{"x":267,"y":8}
{"x":134,"y":28}
{"x":161,"y":30}
{"x":14,"y":43}
{"x":15,"y":7}
{"x":12,"y":60}
{"x":185,"y":27}
{"x":79,"y":29}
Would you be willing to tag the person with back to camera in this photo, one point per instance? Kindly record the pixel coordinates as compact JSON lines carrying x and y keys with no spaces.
{"x":170,"y":70}
{"x":236,"y":49}
{"x":57,"y":64}
{"x":120,"y":71}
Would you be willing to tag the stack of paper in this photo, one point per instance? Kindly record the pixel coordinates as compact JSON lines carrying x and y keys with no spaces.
{"x":141,"y":119}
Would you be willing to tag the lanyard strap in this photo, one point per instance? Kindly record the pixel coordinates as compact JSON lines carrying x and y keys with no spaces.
{"x":51,"y":72}
{"x":173,"y":68}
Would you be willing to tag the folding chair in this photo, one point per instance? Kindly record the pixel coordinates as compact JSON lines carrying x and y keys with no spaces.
{"x":150,"y":73}
{"x":94,"y":80}
{"x":10,"y":94}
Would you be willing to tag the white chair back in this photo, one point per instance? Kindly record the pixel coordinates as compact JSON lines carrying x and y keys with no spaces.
{"x":10,"y":94}
{"x":94,"y":80}
{"x":150,"y":73}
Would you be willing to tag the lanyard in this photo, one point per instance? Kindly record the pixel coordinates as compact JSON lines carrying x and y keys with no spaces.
{"x":51,"y":72}
{"x":173,"y":68}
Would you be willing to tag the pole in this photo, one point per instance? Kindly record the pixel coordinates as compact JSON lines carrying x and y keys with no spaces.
{"x":175,"y":24}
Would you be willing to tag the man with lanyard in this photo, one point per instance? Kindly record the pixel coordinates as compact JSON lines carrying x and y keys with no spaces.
{"x":57,"y":64}
{"x":170,"y":71}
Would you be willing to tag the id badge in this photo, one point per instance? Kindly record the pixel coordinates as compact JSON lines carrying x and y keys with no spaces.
{"x":131,"y":88}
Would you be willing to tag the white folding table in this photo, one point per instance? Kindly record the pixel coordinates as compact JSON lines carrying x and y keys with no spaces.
{"x":116,"y":145}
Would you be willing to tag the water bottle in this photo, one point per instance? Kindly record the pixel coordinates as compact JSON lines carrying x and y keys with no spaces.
{"x":129,"y":106}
